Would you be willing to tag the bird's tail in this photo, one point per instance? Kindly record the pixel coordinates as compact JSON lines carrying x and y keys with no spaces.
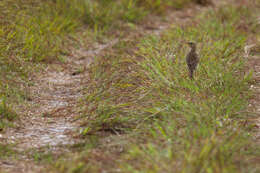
{"x":191,"y":74}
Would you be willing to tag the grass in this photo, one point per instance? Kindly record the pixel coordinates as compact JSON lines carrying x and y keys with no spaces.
{"x":43,"y":157}
{"x":159,"y":67}
{"x":167,"y":122}
{"x":6,"y":115}
{"x":140,"y":90}
{"x":36,"y":32}
{"x":38,"y":26}
{"x":6,"y":151}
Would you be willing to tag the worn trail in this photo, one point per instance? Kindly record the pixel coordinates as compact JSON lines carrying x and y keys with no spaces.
{"x":254,"y":63}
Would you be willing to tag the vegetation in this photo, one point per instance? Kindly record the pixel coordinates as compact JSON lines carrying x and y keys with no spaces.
{"x":140,"y":111}
{"x":39,"y":31}
{"x":6,"y":115}
{"x":37,"y":26}
{"x":6,"y":151}
{"x":172,"y":123}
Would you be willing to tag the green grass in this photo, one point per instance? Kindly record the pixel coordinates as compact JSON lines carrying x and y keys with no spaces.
{"x":6,"y":151}
{"x":43,"y":157}
{"x":32,"y":32}
{"x":140,"y":90}
{"x":172,"y":123}
{"x":125,"y":84}
{"x":7,"y":115}
{"x":30,"y":28}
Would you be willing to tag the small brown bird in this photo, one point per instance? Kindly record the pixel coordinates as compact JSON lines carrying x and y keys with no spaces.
{"x":192,"y":59}
{"x":204,"y":2}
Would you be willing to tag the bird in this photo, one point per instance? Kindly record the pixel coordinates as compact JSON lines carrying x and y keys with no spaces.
{"x":192,"y":59}
{"x":204,"y":2}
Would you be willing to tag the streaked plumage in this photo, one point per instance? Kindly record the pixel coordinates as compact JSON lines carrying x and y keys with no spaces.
{"x":192,"y":59}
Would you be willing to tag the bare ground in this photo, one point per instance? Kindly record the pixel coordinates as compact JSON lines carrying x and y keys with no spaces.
{"x":254,"y":63}
{"x":252,"y":54}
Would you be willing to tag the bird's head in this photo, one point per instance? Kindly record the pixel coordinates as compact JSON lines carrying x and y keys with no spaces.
{"x":192,"y":44}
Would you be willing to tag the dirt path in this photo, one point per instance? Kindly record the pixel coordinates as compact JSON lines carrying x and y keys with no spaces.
{"x":252,"y":54}
{"x":254,"y":106}
{"x":49,"y":121}
{"x":256,"y":87}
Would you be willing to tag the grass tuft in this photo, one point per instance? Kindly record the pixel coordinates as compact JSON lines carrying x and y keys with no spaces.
{"x":6,"y":114}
